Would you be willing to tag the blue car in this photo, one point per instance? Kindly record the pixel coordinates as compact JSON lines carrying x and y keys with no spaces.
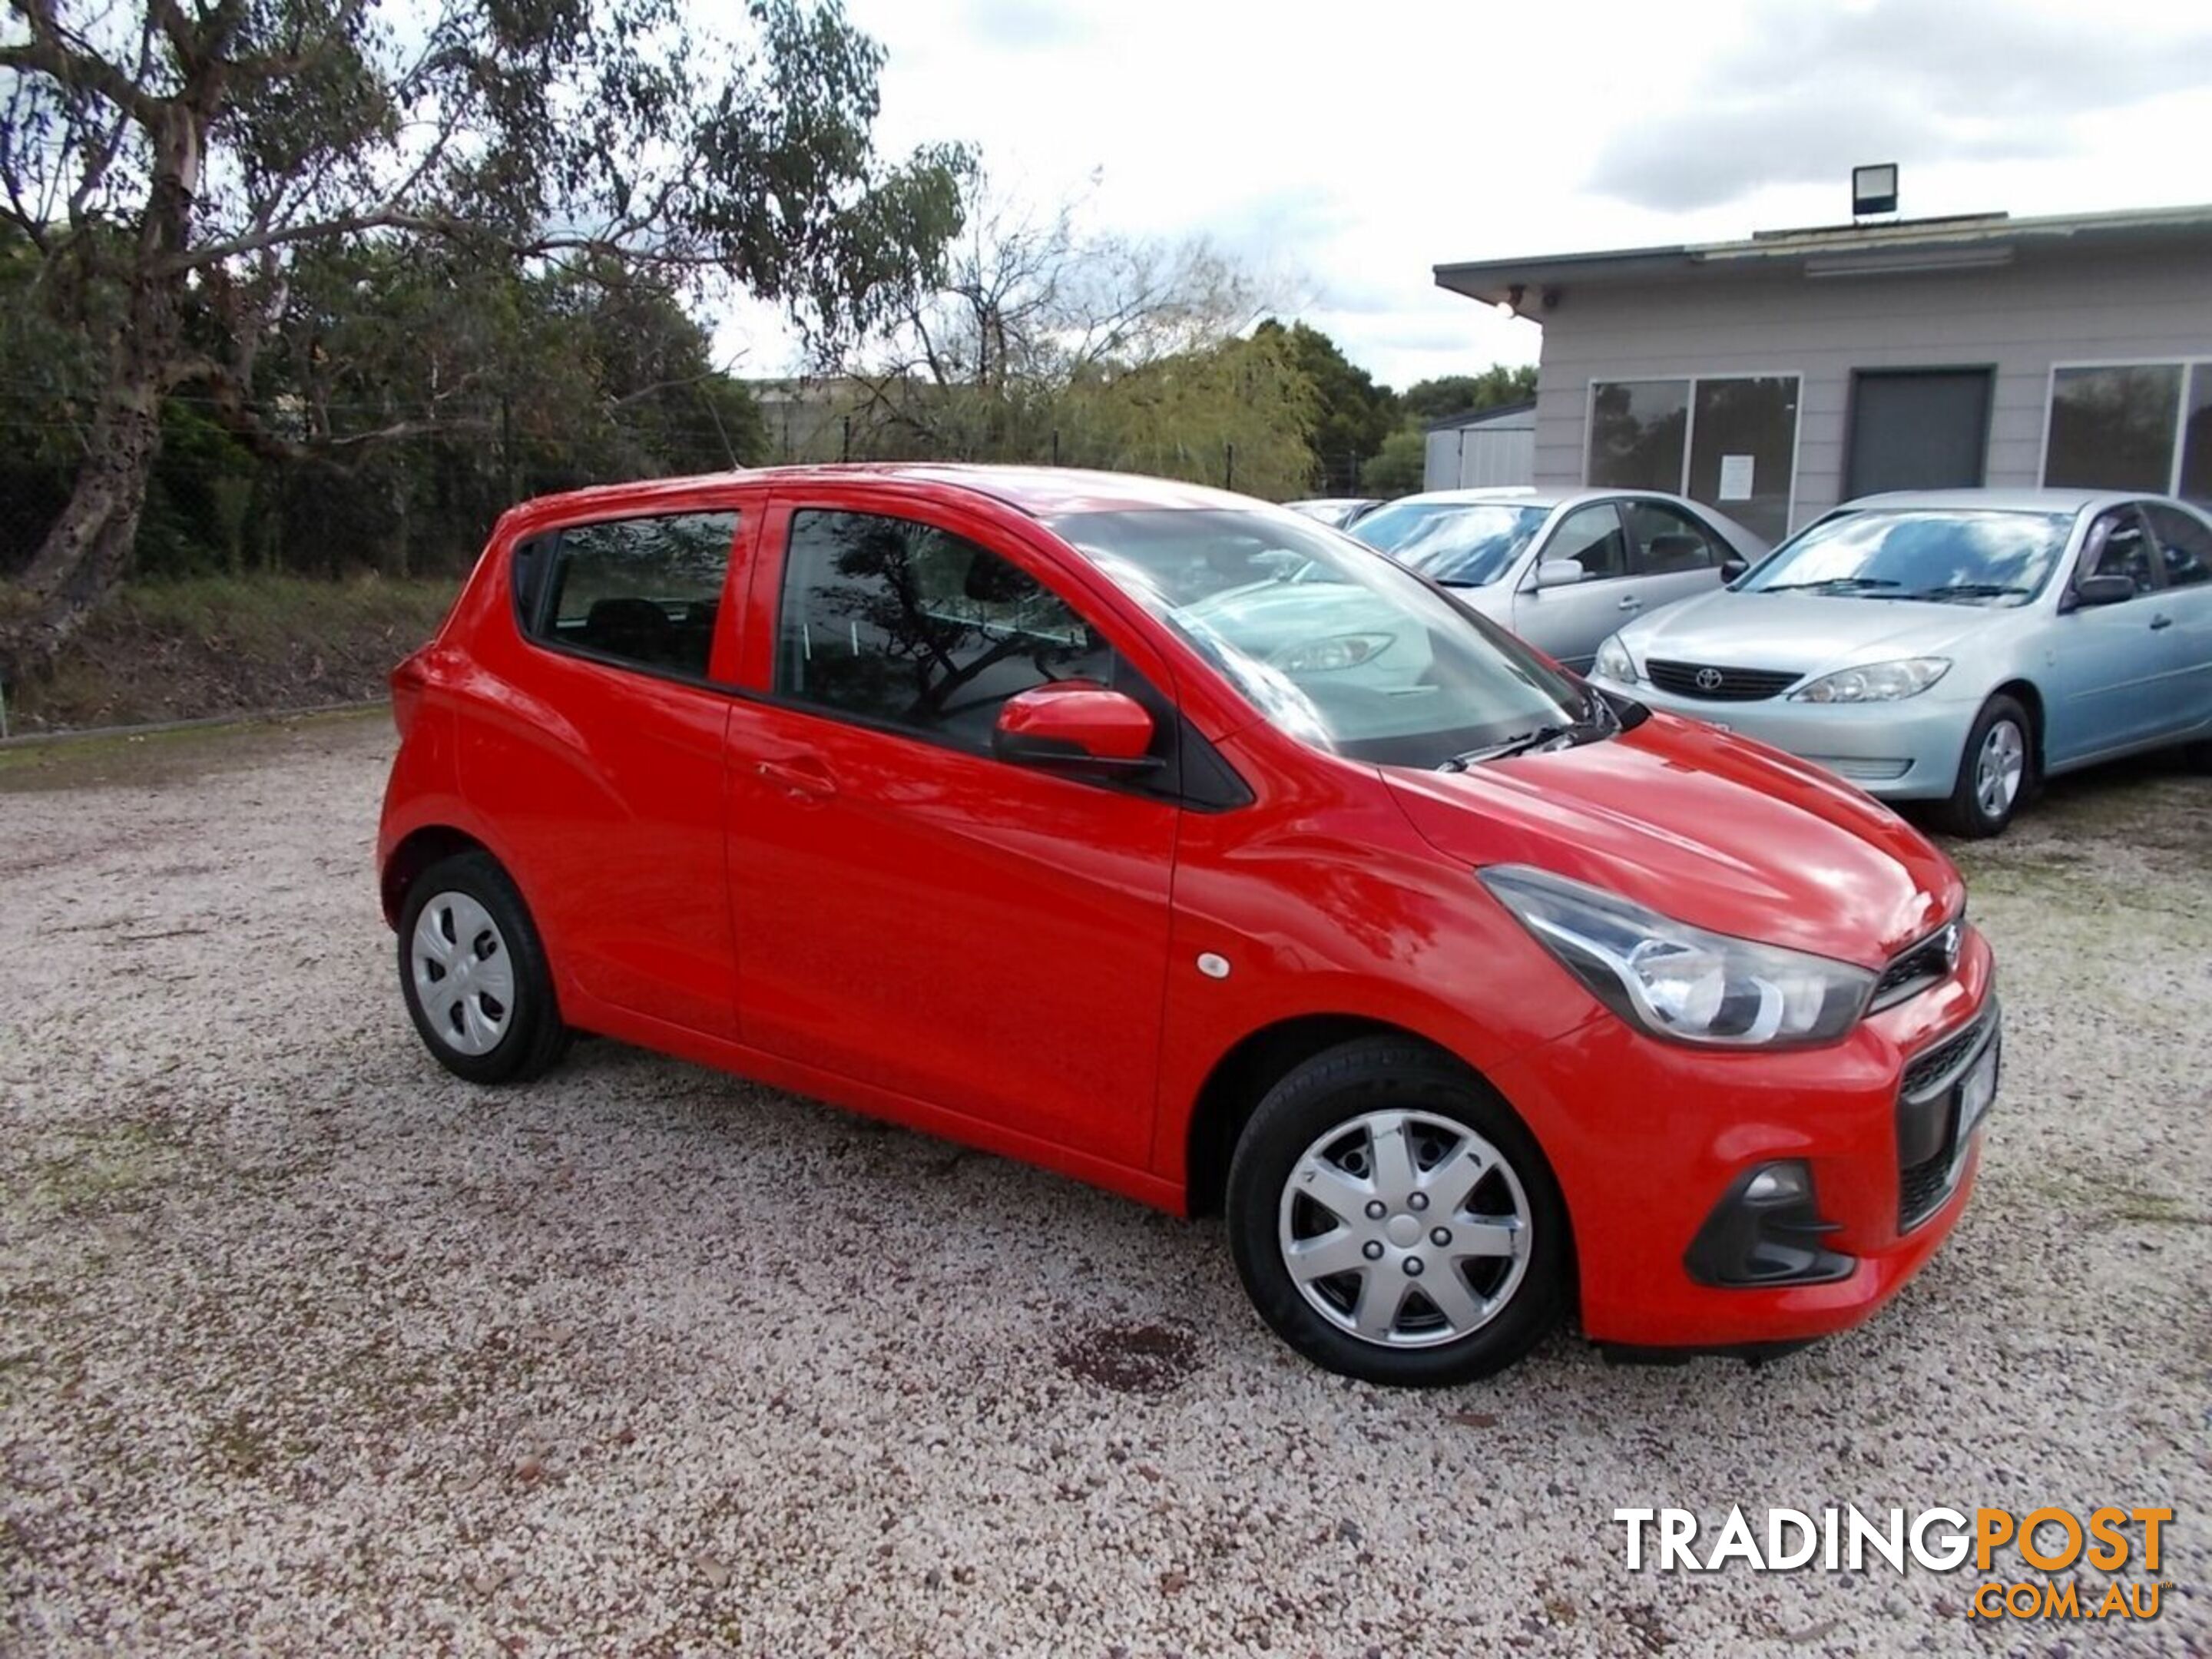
{"x":1951,"y":646}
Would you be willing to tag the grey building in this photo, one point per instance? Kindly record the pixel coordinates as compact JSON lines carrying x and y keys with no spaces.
{"x":1488,"y":449}
{"x":1775,"y":377}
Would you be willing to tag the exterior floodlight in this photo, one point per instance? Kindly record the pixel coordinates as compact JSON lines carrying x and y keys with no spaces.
{"x":1873,"y":190}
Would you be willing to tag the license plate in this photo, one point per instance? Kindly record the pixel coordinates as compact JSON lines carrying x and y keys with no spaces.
{"x":1977,"y":1090}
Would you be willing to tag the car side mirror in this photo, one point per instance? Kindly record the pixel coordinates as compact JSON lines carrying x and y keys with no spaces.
{"x":1558,"y":573}
{"x":2104,"y":590}
{"x":1076,"y":725}
{"x":1733,"y":566}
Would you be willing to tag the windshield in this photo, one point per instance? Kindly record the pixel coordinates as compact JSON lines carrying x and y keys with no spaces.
{"x":1333,"y":642}
{"x":1460,"y":543}
{"x":1961,"y":555}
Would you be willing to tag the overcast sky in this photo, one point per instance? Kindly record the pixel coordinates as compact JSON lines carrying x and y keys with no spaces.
{"x":1342,"y":150}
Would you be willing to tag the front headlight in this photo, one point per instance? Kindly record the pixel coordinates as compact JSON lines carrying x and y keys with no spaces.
{"x":1678,"y":982}
{"x":1614,"y":663}
{"x":1326,"y":656}
{"x":1877,"y":682}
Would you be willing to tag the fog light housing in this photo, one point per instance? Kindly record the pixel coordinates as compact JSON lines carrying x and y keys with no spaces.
{"x":1766,"y":1231}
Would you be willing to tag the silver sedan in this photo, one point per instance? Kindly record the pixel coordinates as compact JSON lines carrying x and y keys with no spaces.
{"x":1951,"y":645}
{"x":1561,"y":569}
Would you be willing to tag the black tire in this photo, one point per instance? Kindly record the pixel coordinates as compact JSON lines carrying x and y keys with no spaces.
{"x":1966,"y":813}
{"x":530,"y":1035}
{"x":1337,"y":1089}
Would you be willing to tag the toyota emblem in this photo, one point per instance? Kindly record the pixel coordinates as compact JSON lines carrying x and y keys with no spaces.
{"x":1709,"y":679}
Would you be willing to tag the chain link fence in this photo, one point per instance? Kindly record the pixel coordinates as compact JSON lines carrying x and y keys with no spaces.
{"x":267,"y":584}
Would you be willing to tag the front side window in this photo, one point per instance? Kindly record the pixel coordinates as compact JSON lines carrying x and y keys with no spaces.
{"x":1958,"y":556}
{"x":2119,"y":545}
{"x":1666,"y":541}
{"x":1591,"y":537}
{"x":1333,"y":642}
{"x":899,"y":623}
{"x":2186,"y":543}
{"x":1459,"y":543}
{"x":643,"y":591}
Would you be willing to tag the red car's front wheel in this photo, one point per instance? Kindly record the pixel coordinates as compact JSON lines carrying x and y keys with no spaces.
{"x":1393,"y":1220}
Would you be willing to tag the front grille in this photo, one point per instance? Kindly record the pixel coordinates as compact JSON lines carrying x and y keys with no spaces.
{"x":1733,"y":684}
{"x":1927,"y":1121}
{"x":1917,"y":967}
{"x":1921,"y":1190}
{"x":1927,"y":1069}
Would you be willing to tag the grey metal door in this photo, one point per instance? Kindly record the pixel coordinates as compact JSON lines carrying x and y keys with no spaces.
{"x":1918,"y":429}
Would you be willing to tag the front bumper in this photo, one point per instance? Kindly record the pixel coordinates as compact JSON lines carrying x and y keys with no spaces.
{"x":1646,"y":1137}
{"x":1908,"y":749}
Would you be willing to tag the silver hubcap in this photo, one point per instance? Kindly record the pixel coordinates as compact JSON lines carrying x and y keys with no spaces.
{"x":1999,"y":768}
{"x":1405,"y":1228}
{"x":464,"y":977}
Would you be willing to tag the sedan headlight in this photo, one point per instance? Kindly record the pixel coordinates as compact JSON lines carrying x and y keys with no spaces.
{"x":1614,"y":663}
{"x":1678,"y":982}
{"x":1324,"y":656}
{"x":1876,"y":682}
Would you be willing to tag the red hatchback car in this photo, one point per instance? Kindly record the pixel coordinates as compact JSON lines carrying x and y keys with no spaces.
{"x":1178,"y":843}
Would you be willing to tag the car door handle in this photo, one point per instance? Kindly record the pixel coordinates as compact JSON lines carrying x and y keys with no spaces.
{"x":2161,"y":621}
{"x":804,"y":779}
{"x":1631,"y":603}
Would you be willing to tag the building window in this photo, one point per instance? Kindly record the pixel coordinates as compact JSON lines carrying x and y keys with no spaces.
{"x":1727,"y":440}
{"x":2131,"y":426}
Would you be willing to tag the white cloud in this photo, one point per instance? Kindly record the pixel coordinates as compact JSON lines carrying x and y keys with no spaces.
{"x":1343,"y":152}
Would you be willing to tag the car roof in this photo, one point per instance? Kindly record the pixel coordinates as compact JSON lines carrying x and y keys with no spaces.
{"x":1039,"y":491}
{"x":1524,"y":495}
{"x":2000,"y":500}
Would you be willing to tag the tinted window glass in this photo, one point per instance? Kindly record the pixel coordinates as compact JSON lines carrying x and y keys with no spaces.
{"x":1637,"y":430}
{"x":532,"y":560}
{"x":1458,"y":543}
{"x":1744,"y":448}
{"x":1666,"y":540}
{"x":2186,"y":543}
{"x":2112,"y":429}
{"x":1591,"y":537}
{"x":1333,"y":642}
{"x":643,"y":591}
{"x":2196,"y":437}
{"x":1960,"y":555}
{"x":890,"y":620}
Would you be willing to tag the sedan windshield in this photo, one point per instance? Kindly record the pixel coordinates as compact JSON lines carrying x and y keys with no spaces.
{"x":1335,"y":644}
{"x":1959,"y":556}
{"x":1460,"y":543}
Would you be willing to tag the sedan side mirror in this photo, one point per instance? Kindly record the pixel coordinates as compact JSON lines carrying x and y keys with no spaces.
{"x":1733,"y":566}
{"x":1076,"y":725}
{"x":2104,"y":590}
{"x":1558,"y":573}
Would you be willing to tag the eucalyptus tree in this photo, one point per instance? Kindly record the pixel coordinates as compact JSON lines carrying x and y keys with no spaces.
{"x":167,"y":161}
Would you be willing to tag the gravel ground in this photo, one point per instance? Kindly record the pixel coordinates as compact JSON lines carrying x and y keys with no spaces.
{"x":306,"y":1347}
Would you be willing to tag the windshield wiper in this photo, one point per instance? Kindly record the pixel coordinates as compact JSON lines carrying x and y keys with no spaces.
{"x":1967,"y":591}
{"x":1521,"y":744}
{"x":1831,"y":585}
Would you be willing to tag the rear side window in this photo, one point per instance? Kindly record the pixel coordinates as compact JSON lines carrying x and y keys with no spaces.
{"x":2186,"y":543}
{"x":641,"y":591}
{"x":903,"y":623}
{"x":1668,"y":540}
